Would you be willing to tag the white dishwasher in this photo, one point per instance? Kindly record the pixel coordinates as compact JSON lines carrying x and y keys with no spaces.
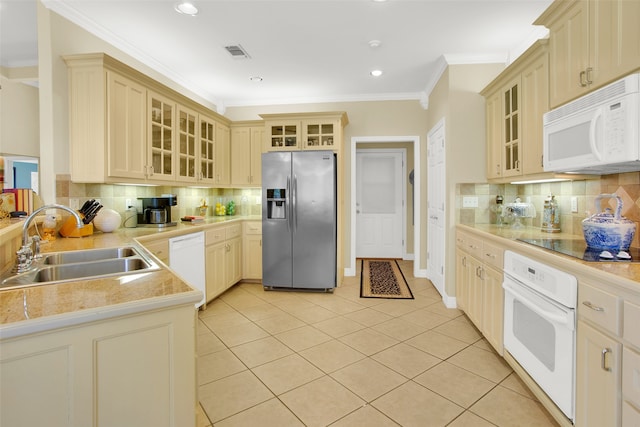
{"x":186,"y":258}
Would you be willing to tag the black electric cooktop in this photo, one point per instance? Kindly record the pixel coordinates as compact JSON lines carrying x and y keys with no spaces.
{"x":578,"y":249}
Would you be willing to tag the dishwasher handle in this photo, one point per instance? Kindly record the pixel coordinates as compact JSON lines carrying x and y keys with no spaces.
{"x":188,"y":240}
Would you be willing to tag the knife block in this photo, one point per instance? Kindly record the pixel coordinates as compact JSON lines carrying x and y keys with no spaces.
{"x":70,"y":228}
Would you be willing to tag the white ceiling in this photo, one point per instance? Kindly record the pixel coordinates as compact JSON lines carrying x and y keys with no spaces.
{"x":305,"y":50}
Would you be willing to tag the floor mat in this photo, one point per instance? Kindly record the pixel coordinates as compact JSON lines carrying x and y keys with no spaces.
{"x":382,"y":278}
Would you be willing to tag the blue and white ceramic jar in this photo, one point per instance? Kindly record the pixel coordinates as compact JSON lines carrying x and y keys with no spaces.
{"x":607,"y":230}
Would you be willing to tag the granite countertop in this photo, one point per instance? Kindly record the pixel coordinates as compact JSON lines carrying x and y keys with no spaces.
{"x":621,"y":274}
{"x":39,"y":308}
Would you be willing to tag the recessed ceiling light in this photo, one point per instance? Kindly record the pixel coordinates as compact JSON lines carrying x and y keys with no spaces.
{"x":186,"y":8}
{"x":256,"y":79}
{"x":376,"y":73}
{"x":374,"y":43}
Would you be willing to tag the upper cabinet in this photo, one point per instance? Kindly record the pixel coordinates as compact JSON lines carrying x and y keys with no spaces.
{"x":127,"y":109}
{"x":515,"y":103}
{"x":126,"y":127}
{"x":306,"y":131}
{"x":247,"y":143}
{"x":222,"y":175}
{"x":592,"y":42}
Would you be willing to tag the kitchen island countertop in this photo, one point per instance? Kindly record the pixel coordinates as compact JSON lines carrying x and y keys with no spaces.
{"x":44,"y":307}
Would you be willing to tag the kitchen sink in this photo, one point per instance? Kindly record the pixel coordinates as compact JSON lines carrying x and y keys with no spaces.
{"x":82,"y":265}
{"x":89,"y":269}
{"x":90,"y":255}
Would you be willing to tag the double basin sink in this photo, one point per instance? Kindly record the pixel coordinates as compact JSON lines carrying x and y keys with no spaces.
{"x":82,"y":265}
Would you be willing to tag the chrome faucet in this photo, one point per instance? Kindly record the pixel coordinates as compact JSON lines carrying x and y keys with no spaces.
{"x":25,"y":255}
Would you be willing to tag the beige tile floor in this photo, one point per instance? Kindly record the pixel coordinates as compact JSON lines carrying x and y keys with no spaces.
{"x":281,"y":358}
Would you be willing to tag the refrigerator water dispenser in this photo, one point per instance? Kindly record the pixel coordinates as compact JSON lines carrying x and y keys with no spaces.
{"x":276,"y":203}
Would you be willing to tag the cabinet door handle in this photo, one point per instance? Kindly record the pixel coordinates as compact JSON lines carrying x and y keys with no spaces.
{"x":489,"y":255}
{"x":591,"y":306}
{"x":603,"y":359}
{"x":464,"y":261}
{"x":583,"y":79}
{"x":588,"y":75}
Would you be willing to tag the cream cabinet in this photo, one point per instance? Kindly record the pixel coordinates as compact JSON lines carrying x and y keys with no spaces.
{"x":306,"y":131}
{"x":161,"y":137}
{"x":608,"y":355}
{"x":247,"y":144}
{"x":206,"y":149}
{"x":592,"y":42}
{"x":479,"y":285}
{"x":223,"y":256}
{"x":126,"y":112}
{"x":126,"y":127}
{"x":222,"y":170}
{"x":598,"y":378}
{"x":132,"y":370}
{"x":186,"y":145}
{"x":493,"y":111}
{"x":514,"y":104}
{"x":252,"y":250}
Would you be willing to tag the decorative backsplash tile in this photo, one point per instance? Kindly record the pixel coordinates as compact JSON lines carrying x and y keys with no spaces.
{"x":626,"y":185}
{"x":114,"y":196}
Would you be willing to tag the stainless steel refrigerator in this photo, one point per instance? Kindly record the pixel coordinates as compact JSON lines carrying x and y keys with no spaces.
{"x":299,"y":220}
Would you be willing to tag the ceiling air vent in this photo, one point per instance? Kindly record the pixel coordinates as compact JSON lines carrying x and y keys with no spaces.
{"x":237,"y":52}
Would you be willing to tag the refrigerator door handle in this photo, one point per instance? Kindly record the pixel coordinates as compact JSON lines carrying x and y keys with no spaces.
{"x":294,"y":205}
{"x":287,"y":201}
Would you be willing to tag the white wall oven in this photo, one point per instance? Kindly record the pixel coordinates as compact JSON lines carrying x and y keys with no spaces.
{"x":540,"y":325}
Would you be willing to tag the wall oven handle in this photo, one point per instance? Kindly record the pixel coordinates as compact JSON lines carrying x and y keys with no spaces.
{"x":563,"y":320}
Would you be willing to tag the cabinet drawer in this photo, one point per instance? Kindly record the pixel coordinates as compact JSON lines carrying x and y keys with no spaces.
{"x":469,"y":244}
{"x":215,"y":235}
{"x":631,"y":376}
{"x":493,"y":256}
{"x":233,"y":231}
{"x":600,"y":307}
{"x":631,"y":321}
{"x":253,"y":227}
{"x":473,"y":246}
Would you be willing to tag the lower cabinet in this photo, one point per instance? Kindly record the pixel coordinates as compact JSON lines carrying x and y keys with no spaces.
{"x":252,"y":250}
{"x":479,"y":290}
{"x":597,"y":378}
{"x":136,"y":370}
{"x":223,"y":258}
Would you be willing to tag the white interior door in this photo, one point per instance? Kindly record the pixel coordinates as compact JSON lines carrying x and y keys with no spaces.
{"x":379,"y":203}
{"x":436,"y":205}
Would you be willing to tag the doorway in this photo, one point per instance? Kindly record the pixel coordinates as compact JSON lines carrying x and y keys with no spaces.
{"x":417,"y":241}
{"x":380,"y":203}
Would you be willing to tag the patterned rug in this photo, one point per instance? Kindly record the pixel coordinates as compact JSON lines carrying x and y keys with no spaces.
{"x":382,"y":278}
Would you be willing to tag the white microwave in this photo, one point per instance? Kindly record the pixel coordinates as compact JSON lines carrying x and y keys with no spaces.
{"x":598,"y":133}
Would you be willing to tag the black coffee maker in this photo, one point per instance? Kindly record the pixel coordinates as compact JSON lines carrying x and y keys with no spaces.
{"x":156,"y":211}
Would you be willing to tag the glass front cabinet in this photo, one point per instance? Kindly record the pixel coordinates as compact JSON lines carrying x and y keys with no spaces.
{"x":161,"y":137}
{"x":309,"y":131}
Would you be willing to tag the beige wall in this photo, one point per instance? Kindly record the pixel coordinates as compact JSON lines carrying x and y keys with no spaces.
{"x":456,"y":98}
{"x":19,"y":118}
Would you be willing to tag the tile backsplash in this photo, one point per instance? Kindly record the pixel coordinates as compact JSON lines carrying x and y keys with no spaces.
{"x":626,"y":185}
{"x":114,"y":196}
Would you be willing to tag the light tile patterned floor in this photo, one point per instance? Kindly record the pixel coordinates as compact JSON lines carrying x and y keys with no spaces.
{"x":282,"y":358}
